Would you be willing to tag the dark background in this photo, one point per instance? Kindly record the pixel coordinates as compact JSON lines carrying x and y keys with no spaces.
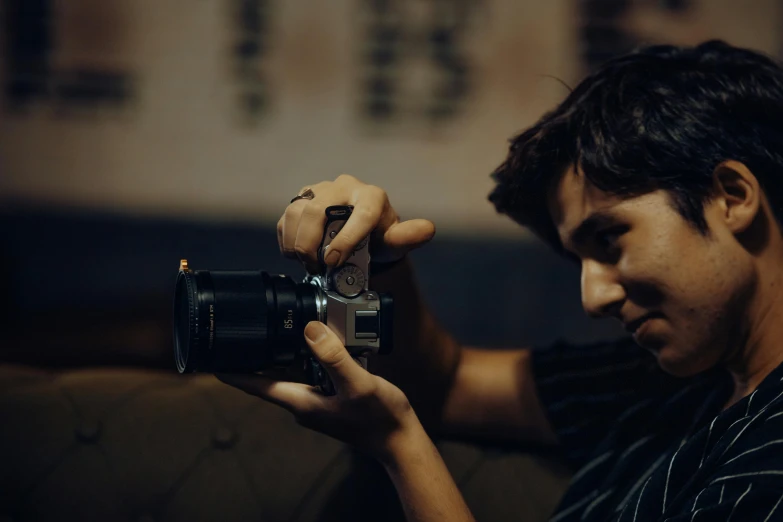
{"x":98,"y":204}
{"x":83,"y":287}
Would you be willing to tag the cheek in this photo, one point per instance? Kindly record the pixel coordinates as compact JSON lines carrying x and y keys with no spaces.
{"x":652,"y":276}
{"x":705,"y":313}
{"x":718,"y":279}
{"x":685,"y":280}
{"x":677,"y":264}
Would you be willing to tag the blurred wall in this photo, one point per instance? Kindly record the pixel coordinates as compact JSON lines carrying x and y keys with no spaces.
{"x":223,"y":109}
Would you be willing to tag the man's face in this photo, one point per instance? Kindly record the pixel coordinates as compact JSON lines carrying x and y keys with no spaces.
{"x":681,"y":293}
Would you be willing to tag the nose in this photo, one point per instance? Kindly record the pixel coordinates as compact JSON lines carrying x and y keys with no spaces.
{"x":602,"y":293}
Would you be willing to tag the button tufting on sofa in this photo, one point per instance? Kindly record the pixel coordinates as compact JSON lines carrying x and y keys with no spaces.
{"x":119,"y":444}
{"x":88,"y":431}
{"x":224,"y":438}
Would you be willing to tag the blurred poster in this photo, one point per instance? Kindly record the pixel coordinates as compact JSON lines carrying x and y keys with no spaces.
{"x":222,"y":109}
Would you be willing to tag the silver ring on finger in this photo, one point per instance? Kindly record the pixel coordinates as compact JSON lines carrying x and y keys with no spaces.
{"x":305,"y":193}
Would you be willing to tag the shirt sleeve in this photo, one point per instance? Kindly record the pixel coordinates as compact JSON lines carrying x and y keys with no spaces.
{"x":587,"y":391}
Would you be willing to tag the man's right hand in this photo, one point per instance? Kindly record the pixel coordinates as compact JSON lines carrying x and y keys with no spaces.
{"x":300,"y":229}
{"x":486,"y":394}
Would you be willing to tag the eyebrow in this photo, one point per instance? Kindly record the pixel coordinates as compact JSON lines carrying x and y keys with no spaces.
{"x":596,"y":220}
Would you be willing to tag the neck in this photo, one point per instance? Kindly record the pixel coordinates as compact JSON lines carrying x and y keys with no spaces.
{"x":761,"y":349}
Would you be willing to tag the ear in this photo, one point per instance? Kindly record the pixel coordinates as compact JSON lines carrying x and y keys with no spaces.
{"x":738,"y":193}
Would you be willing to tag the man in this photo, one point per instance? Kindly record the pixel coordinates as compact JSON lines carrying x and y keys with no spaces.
{"x":661,"y":175}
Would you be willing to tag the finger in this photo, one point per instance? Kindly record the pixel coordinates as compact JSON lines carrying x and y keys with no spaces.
{"x":409,"y":234}
{"x":310,"y":234}
{"x":369,"y":205}
{"x":403,"y":237}
{"x":289,"y":226}
{"x":280,"y":241}
{"x":294,"y":397}
{"x":345,"y":373}
{"x":289,"y":223}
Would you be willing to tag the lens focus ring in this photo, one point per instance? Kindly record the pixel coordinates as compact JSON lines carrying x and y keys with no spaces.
{"x":240,"y":316}
{"x":186,"y":322}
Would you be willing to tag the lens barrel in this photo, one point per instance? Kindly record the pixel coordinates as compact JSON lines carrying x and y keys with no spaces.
{"x":239,"y":320}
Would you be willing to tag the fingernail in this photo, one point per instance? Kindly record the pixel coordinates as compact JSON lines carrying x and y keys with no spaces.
{"x":315,"y":331}
{"x":332,"y":257}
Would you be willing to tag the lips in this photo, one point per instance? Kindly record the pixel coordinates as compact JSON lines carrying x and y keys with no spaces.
{"x":634,"y":325}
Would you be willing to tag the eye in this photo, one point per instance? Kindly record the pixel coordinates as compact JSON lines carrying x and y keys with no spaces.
{"x":608,"y":237}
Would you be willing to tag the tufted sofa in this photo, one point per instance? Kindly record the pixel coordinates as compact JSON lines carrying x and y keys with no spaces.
{"x":106,"y":444}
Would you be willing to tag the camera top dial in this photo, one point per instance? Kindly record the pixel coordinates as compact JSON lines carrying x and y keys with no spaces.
{"x":348,"y":280}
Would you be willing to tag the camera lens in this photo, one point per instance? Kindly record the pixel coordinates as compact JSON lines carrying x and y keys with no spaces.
{"x":239,"y":321}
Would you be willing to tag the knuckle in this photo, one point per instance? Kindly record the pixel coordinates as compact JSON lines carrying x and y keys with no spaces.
{"x":369,"y":214}
{"x":312,"y":210}
{"x":334,"y":356}
{"x":345,"y":178}
{"x":377,"y":192}
{"x":346,"y":238}
{"x":301,"y":251}
{"x":292,"y":213}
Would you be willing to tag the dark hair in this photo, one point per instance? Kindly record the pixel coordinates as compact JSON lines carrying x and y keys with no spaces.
{"x":662,"y":117}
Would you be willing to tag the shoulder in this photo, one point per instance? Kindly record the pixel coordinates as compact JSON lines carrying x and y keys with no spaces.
{"x":735,"y":463}
{"x":752,"y":446}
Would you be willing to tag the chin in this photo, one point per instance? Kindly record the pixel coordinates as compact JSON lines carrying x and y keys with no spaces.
{"x":679,"y":363}
{"x":675,"y":369}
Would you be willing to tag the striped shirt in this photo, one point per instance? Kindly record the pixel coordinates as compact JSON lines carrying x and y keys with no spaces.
{"x":648,"y":446}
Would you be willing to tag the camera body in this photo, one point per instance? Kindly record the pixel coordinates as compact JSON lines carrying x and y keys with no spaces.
{"x":347,"y":305}
{"x":249,"y":320}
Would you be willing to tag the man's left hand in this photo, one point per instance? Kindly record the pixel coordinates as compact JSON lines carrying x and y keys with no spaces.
{"x":367,"y":411}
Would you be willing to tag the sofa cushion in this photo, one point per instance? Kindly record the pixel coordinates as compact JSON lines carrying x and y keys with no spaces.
{"x":143,"y":445}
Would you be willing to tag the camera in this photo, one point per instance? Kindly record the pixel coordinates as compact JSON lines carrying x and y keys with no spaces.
{"x":249,"y":320}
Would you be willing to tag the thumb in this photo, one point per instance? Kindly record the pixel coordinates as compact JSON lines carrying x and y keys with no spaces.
{"x":345,"y":373}
{"x":400,"y":238}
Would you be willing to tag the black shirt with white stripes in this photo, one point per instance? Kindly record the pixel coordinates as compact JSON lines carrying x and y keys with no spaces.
{"x":648,"y":446}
